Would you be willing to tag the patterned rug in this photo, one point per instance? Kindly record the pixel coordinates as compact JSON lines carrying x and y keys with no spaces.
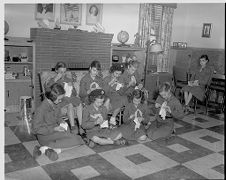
{"x":195,"y":152}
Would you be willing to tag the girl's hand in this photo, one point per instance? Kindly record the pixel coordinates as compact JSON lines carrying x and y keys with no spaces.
{"x":89,"y":91}
{"x":140,"y":119}
{"x":59,"y":129}
{"x":140,"y":86}
{"x":99,"y":120}
{"x":58,"y":76}
{"x":157,"y":105}
{"x":147,"y":126}
{"x":190,"y":83}
{"x":112,"y":81}
{"x":196,"y":83}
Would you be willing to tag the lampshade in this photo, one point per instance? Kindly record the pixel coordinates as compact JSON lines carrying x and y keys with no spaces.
{"x":156,"y":48}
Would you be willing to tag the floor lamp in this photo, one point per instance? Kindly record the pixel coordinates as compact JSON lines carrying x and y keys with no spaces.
{"x":152,"y":47}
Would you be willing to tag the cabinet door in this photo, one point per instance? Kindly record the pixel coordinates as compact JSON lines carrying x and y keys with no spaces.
{"x":13,"y":91}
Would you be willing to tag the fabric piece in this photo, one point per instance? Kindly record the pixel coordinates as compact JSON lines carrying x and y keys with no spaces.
{"x":68,"y":89}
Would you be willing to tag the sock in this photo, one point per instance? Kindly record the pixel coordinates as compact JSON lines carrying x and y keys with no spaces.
{"x":73,"y":127}
{"x":58,"y":151}
{"x":43,"y":149}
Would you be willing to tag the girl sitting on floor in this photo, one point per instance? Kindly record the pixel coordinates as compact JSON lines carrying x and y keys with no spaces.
{"x":167,"y":107}
{"x":70,"y":100}
{"x":96,"y":124}
{"x":52,"y":132}
{"x":135,"y":114}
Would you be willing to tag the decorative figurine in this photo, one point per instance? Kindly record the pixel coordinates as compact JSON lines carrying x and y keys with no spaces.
{"x":137,"y":40}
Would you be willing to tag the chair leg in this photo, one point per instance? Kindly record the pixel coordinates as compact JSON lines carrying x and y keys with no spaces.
{"x":195,"y":105}
{"x":120,"y":118}
{"x":206,"y":106}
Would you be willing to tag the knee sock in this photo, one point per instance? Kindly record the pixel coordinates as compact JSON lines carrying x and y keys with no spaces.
{"x":58,"y":151}
{"x":43,"y":149}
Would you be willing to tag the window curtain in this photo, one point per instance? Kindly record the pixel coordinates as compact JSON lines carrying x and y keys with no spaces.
{"x":155,"y":22}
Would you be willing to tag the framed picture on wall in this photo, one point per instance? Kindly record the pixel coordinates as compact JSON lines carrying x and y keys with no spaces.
{"x":94,"y":14}
{"x":71,"y":14}
{"x":44,"y":11}
{"x":206,"y":30}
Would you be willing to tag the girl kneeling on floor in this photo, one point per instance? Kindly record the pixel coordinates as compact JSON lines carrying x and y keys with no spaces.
{"x":135,"y":114}
{"x":96,"y":124}
{"x":52,"y":132}
{"x":167,"y":107}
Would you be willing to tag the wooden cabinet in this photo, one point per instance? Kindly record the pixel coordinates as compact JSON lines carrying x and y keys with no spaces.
{"x":19,"y":66}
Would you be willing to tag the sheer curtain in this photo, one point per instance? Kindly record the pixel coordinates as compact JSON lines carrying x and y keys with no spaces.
{"x":155,"y":22}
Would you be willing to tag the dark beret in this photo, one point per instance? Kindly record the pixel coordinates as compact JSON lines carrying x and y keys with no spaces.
{"x":97,"y":92}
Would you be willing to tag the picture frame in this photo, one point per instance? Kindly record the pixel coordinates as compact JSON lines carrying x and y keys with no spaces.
{"x":94,"y":14}
{"x":179,"y":45}
{"x":45,"y":11}
{"x":71,"y":14}
{"x":206,"y":30}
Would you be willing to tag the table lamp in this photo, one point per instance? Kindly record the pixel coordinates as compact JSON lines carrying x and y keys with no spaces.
{"x":152,"y":47}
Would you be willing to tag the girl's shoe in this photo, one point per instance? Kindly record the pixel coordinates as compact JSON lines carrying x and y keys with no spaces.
{"x":91,"y":144}
{"x":36,"y":152}
{"x":51,"y":154}
{"x":121,"y":141}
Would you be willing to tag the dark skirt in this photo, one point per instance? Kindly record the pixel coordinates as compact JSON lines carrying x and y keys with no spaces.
{"x":102,"y":133}
{"x":60,"y":140}
{"x":197,"y":91}
{"x":129,"y":133}
{"x":75,"y":101}
{"x":160,"y":129}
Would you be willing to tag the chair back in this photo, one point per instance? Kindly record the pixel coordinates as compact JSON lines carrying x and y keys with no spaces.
{"x":44,"y":78}
{"x":180,"y":75}
{"x":76,"y":76}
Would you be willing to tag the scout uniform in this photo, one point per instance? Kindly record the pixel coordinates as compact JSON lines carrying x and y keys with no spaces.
{"x":87,"y":83}
{"x":128,"y":128}
{"x":47,"y":117}
{"x":163,"y":128}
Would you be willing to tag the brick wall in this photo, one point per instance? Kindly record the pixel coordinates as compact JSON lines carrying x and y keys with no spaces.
{"x":76,"y":48}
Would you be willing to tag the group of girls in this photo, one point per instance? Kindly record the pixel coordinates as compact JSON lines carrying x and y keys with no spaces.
{"x":96,"y":99}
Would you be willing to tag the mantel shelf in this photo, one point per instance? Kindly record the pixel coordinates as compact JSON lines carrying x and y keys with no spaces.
{"x":7,"y":62}
{"x":115,"y":47}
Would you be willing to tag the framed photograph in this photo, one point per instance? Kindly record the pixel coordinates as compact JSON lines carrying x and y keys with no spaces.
{"x":94,"y":14}
{"x":71,"y":14}
{"x":206,"y":30}
{"x":44,"y":11}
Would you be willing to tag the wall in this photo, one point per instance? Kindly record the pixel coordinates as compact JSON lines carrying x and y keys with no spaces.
{"x":116,"y":17}
{"x":188,"y":21}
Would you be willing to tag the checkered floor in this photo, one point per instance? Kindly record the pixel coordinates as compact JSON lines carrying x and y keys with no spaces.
{"x":196,"y":152}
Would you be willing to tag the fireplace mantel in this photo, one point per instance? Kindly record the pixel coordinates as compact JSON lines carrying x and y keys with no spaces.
{"x":76,"y":48}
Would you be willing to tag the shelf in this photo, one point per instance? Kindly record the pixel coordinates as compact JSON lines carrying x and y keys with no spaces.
{"x":17,"y":80}
{"x":127,"y":48}
{"x":18,"y":41}
{"x":6,"y":62}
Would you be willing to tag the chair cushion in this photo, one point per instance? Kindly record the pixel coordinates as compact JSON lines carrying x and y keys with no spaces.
{"x":76,"y":77}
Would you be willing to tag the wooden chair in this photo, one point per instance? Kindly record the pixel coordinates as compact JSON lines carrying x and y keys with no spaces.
{"x":180,"y":77}
{"x":216,"y":92}
{"x":206,"y":95}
